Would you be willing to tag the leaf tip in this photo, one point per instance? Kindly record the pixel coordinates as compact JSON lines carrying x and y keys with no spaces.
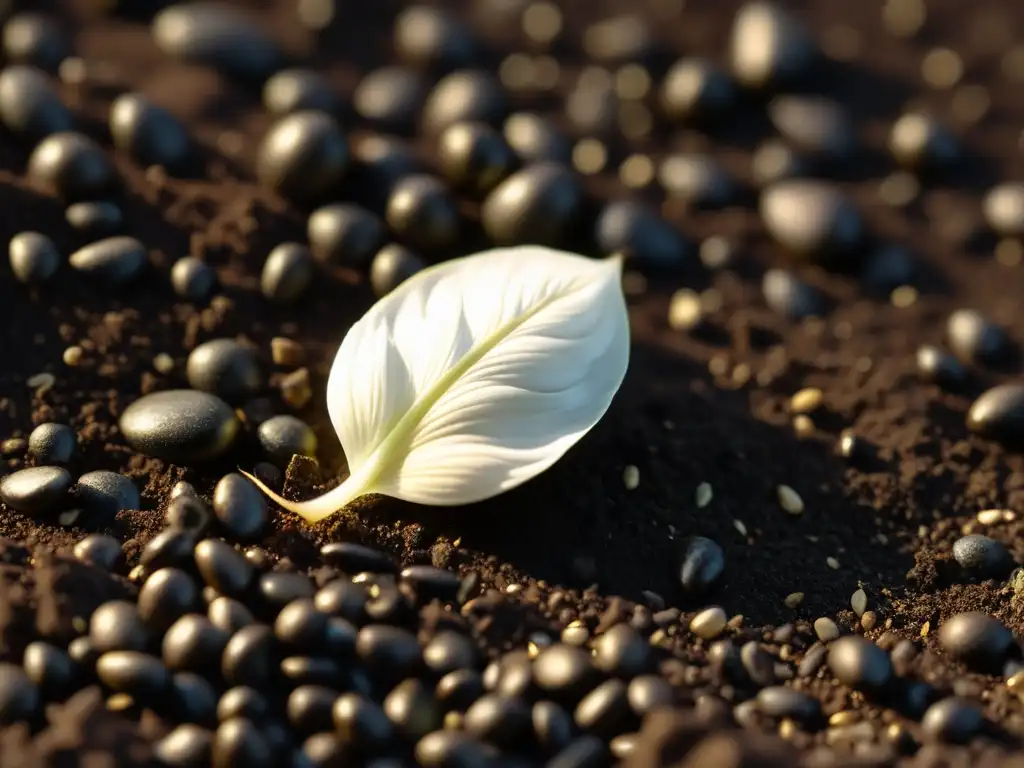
{"x":313,"y":510}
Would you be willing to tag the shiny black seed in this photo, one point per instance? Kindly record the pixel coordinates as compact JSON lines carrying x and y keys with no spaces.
{"x":287,"y":273}
{"x":389,"y":652}
{"x":474,"y":157}
{"x":74,"y":166}
{"x":229,"y":615}
{"x":100,"y":550}
{"x":35,"y":39}
{"x":250,"y":657}
{"x":361,"y":721}
{"x":114,"y":261}
{"x":34,"y":257}
{"x":303,"y":156}
{"x":631,"y":228}
{"x":788,"y":295}
{"x":390,"y":97}
{"x":935,"y":365}
{"x":464,"y":96}
{"x":189,"y":515}
{"x":239,"y":506}
{"x":19,"y":696}
{"x":355,"y":558}
{"x":187,"y":745}
{"x":169,"y":548}
{"x":422,"y":213}
{"x":412,"y":708}
{"x":35,"y":490}
{"x":344,"y":234}
{"x":701,"y":565}
{"x":240,"y":742}
{"x":977,"y":638}
{"x":30,"y":107}
{"x":622,"y":651}
{"x":142,"y":676}
{"x":952,"y":720}
{"x":392,"y":266}
{"x":538,"y":204}
{"x":193,"y":279}
{"x":225,"y":368}
{"x":149,"y":134}
{"x":310,"y":707}
{"x":605,"y":710}
{"x":297,"y":90}
{"x":107,"y":493}
{"x":998,"y":414}
{"x":243,"y":701}
{"x":285,"y":436}
{"x":222,"y":567}
{"x":859,"y":663}
{"x":50,"y":668}
{"x":976,"y":339}
{"x":94,"y":219}
{"x":982,"y":555}
{"x":52,"y":443}
{"x":195,"y":644}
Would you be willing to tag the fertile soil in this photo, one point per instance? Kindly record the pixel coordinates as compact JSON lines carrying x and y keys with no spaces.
{"x":695,"y":408}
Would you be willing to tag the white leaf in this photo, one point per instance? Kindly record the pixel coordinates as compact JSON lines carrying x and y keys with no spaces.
{"x":474,"y":376}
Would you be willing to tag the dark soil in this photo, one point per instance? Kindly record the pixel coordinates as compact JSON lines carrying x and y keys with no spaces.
{"x":708,"y":408}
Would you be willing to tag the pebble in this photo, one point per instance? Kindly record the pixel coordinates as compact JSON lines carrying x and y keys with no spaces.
{"x":709,"y":623}
{"x":815,"y":125}
{"x":1003,"y":206}
{"x":34,"y":39}
{"x":74,"y":166}
{"x":952,"y":720}
{"x":695,"y":89}
{"x":859,"y":663}
{"x":758,"y":664}
{"x":216,"y":35}
{"x":193,"y":279}
{"x":474,"y":157}
{"x":622,"y":651}
{"x":107,"y":493}
{"x":239,"y":506}
{"x":34,"y":257}
{"x":701,"y":566}
{"x":390,"y":98}
{"x":769,"y":47}
{"x":180,"y":425}
{"x":36,"y":490}
{"x":287,"y":273}
{"x":393,"y":265}
{"x":563,"y":671}
{"x":977,"y":638}
{"x":422,"y":213}
{"x":631,"y":228}
{"x":285,"y":436}
{"x":299,"y":90}
{"x":919,"y":142}
{"x":826,"y":629}
{"x":791,"y":297}
{"x":19,"y":696}
{"x":779,"y":701}
{"x":149,"y":134}
{"x":813,"y":219}
{"x":303,"y":156}
{"x":464,"y":96}
{"x":982,"y":555}
{"x":94,"y":219}
{"x":115,"y":261}
{"x":52,"y":443}
{"x":225,"y":368}
{"x":30,"y":106}
{"x":998,"y":414}
{"x":100,"y":550}
{"x":975,"y":339}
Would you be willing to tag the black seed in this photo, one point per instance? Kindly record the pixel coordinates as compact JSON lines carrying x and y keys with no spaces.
{"x":309,"y":708}
{"x":281,"y":587}
{"x":770,"y":47}
{"x":859,"y":663}
{"x":34,"y":257}
{"x":180,"y":425}
{"x":189,"y":515}
{"x":342,"y":598}
{"x":701,"y":565}
{"x":757,"y":663}
{"x":815,"y":125}
{"x":301,"y":626}
{"x":1003,"y":207}
{"x":695,"y":89}
{"x":389,"y":652}
{"x":94,"y":219}
{"x":29,"y":105}
{"x":432,"y":39}
{"x":239,"y":506}
{"x":983,"y":556}
{"x":696,"y":179}
{"x":312,"y":670}
{"x":35,"y":39}
{"x":216,"y":35}
{"x":193,"y":279}
{"x":356,"y":558}
{"x":778,"y":701}
{"x":243,"y":701}
{"x":149,"y":134}
{"x":449,"y":651}
{"x":584,"y":752}
{"x":167,"y":594}
{"x":448,"y":749}
{"x":169,"y":548}
{"x":975,"y":339}
{"x":287,"y":272}
{"x":464,"y":96}
{"x":107,"y":493}
{"x":539,"y":204}
{"x":941,"y":368}
{"x":325,"y":750}
{"x":431,"y":583}
{"x":35,"y":490}
{"x":621,"y":651}
{"x":977,"y":638}
{"x":552,"y":726}
{"x":194,"y":643}
{"x":953,"y":719}
{"x":303,"y":156}
{"x":191,"y":699}
{"x":390,"y":97}
{"x":920,"y":142}
{"x":74,"y":166}
{"x":605,"y":710}
{"x":630,"y":228}
{"x":812,"y":219}
{"x":534,"y":139}
{"x":100,"y":550}
{"x":82,"y":652}
{"x":19,"y":696}
{"x":998,"y":414}
{"x":422,"y":213}
{"x":223,"y":567}
{"x":500,"y":720}
{"x":50,"y":668}
{"x":563,"y":671}
{"x":812,"y":660}
{"x":144,"y":677}
{"x":283,"y":437}
{"x":345,"y":234}
{"x":117,"y":626}
{"x":392,"y":266}
{"x":775,"y":161}
{"x":250,"y":657}
{"x":298,"y":90}
{"x":360,"y":721}
{"x":114,"y":261}
{"x":240,"y":742}
{"x":229,"y":615}
{"x":458,"y":689}
{"x":187,"y":745}
{"x":224,"y":367}
{"x":52,"y":443}
{"x":790,"y":296}
{"x":412,"y":708}
{"x":381,"y":161}
{"x":474,"y":157}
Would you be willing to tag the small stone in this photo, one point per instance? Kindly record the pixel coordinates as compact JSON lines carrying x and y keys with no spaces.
{"x":34,"y":257}
{"x":115,"y":261}
{"x":983,"y":556}
{"x":180,"y":425}
{"x":826,"y":629}
{"x":976,"y":638}
{"x":296,"y":389}
{"x":779,"y":701}
{"x":794,"y":599}
{"x":631,"y":477}
{"x":859,"y":663}
{"x":285,"y":436}
{"x":953,"y":720}
{"x":36,"y":490}
{"x":107,"y":493}
{"x":806,"y":400}
{"x":52,"y":443}
{"x":286,"y":352}
{"x":859,"y":602}
{"x":701,"y":565}
{"x":1003,"y":207}
{"x":703,"y":495}
{"x":790,"y":500}
{"x":709,"y":623}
